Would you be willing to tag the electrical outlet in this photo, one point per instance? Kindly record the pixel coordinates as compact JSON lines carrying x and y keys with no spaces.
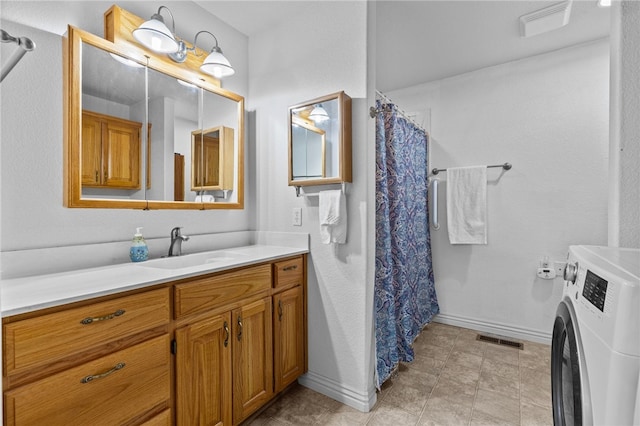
{"x":559,"y":267}
{"x":297,"y":216}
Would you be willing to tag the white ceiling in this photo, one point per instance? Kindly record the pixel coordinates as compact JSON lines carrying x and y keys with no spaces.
{"x":422,"y":41}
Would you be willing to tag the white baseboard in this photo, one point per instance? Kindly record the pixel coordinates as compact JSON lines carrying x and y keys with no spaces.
{"x":505,"y":330}
{"x":337,"y":391}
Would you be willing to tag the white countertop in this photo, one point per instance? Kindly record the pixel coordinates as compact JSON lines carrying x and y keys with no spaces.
{"x":20,"y":295}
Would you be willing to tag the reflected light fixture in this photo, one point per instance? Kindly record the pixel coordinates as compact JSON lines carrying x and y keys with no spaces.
{"x":155,"y":35}
{"x":319,"y":114}
{"x":604,"y":3}
{"x":125,"y":61}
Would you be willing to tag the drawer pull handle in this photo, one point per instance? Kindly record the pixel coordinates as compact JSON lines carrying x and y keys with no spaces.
{"x":239,"y":328}
{"x":280,"y":310}
{"x":90,"y":320}
{"x":90,"y":378}
{"x":290,"y":268}
{"x":226,"y":330}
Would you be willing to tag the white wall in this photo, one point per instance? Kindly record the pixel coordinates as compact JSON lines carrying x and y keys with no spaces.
{"x":548,"y":116}
{"x":624,"y":187}
{"x":287,"y":68}
{"x":32,"y":212}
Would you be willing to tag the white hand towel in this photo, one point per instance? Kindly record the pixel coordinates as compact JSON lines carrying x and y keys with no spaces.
{"x":333,"y":217}
{"x":467,"y":205}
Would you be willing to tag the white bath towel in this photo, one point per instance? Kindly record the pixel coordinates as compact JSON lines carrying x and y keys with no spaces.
{"x":333,"y":217}
{"x":467,"y":205}
{"x":206,"y":198}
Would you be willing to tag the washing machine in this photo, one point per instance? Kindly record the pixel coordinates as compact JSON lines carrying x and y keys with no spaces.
{"x":595,"y":350}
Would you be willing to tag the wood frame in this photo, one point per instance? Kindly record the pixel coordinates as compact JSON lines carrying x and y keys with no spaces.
{"x":72,"y":107}
{"x":344,"y":119}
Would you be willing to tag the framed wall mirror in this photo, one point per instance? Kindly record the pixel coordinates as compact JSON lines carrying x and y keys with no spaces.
{"x":130,"y":125}
{"x":320,"y":141}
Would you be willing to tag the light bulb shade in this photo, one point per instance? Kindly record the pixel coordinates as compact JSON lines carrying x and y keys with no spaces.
{"x":216,"y":64}
{"x":319,"y":114}
{"x":155,"y":35}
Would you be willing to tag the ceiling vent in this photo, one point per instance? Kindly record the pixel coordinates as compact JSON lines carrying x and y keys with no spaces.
{"x":544,"y":20}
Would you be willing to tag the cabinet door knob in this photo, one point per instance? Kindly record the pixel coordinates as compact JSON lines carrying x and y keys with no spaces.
{"x":90,"y":320}
{"x":239,"y":328}
{"x":280,"y":310}
{"x":290,"y":268}
{"x":90,"y":378}
{"x":226,"y":330}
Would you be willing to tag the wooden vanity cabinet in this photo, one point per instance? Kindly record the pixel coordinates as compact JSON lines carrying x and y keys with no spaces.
{"x":110,"y":151}
{"x":289,"y":321}
{"x":101,"y":363}
{"x":224,"y":361}
{"x":234,"y":341}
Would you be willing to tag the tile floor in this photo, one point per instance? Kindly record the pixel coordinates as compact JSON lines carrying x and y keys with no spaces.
{"x":454,"y":380}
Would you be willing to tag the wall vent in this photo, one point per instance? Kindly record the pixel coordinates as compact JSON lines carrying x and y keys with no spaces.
{"x":544,"y":20}
{"x":499,"y":341}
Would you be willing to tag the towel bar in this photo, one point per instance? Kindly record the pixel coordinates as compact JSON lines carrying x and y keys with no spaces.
{"x":299,"y":193}
{"x":506,"y":166}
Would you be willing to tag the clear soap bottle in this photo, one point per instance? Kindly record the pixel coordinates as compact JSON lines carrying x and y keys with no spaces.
{"x":139,"y":251}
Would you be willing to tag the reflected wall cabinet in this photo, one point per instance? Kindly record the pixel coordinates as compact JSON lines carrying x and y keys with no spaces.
{"x":110,"y":151}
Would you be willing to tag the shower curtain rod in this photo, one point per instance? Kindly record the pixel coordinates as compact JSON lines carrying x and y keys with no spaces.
{"x":373,"y":111}
{"x":25,"y":45}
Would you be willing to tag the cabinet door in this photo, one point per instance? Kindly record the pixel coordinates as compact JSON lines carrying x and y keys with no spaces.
{"x":288,"y":336}
{"x":203,"y":370}
{"x":121,"y":150}
{"x":91,"y":150}
{"x":252,"y":358}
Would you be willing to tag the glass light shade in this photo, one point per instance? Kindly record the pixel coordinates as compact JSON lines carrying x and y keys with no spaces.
{"x":319,"y":114}
{"x":155,"y":35}
{"x":217,"y":65}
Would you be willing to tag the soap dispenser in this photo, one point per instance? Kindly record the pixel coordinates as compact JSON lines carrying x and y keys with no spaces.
{"x":139,"y":251}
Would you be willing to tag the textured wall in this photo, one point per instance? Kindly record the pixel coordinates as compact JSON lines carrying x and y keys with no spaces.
{"x":624,"y":197}
{"x":318,"y":53}
{"x":548,"y":116}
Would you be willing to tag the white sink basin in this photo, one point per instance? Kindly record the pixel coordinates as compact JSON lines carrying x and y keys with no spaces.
{"x":196,"y":259}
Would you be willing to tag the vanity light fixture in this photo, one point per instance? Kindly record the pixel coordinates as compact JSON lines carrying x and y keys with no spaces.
{"x":215,"y":64}
{"x":155,"y":35}
{"x":319,"y":114}
{"x":604,"y":3}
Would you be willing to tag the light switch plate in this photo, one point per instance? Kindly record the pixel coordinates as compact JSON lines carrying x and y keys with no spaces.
{"x":297,"y":216}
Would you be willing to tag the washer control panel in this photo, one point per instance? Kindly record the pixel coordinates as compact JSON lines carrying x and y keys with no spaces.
{"x":595,"y":290}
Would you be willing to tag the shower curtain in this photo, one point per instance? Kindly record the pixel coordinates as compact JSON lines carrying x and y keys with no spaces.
{"x":405,"y":297}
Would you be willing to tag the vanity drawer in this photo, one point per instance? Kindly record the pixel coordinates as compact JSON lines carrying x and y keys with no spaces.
{"x":49,"y":338}
{"x":288,"y":273}
{"x":96,"y":393}
{"x":203,"y":294}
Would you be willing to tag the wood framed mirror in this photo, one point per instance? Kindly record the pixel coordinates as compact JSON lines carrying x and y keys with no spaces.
{"x":320,"y":141}
{"x":129,"y":116}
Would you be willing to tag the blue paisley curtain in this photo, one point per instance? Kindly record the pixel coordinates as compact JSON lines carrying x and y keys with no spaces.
{"x":405,"y":297}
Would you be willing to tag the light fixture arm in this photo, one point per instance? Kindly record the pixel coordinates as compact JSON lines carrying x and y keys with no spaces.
{"x":181,"y":55}
{"x":215,"y":48}
{"x":159,"y":17}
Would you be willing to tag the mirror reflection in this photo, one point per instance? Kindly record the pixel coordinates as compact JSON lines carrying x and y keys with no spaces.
{"x":112,"y":125}
{"x":146,"y":135}
{"x":320,"y":141}
{"x":308,"y":150}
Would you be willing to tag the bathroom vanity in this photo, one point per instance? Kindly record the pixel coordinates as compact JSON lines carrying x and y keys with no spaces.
{"x":207,"y":338}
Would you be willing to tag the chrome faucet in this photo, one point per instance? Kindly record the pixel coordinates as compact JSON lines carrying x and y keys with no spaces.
{"x":175,"y":249}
